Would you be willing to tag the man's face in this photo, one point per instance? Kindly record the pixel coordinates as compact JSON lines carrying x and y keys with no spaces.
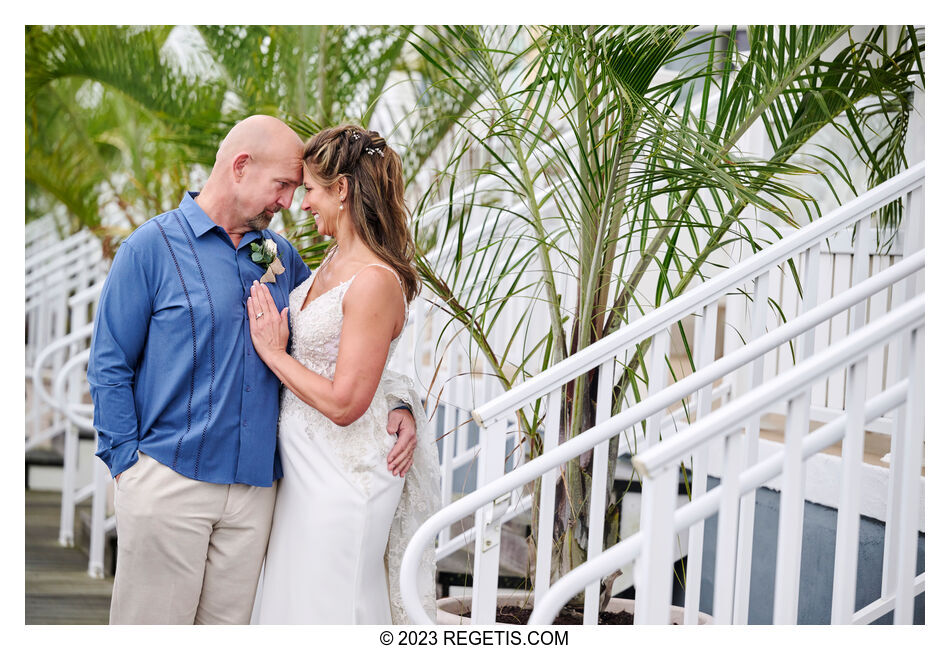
{"x":268,"y":187}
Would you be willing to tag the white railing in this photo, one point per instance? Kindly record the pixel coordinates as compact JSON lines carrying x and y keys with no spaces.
{"x":660,"y":465}
{"x":63,"y":282}
{"x":55,"y":275}
{"x":447,"y":385}
{"x":43,"y":232}
{"x":69,"y":383}
{"x":494,"y":499}
{"x":837,"y":261}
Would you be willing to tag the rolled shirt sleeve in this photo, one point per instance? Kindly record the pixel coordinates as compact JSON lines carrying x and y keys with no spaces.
{"x":119,"y":333}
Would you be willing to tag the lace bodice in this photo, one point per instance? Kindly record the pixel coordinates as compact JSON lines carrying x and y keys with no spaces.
{"x":315,"y":331}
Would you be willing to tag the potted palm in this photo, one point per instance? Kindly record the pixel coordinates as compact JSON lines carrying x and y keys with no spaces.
{"x":602,"y":176}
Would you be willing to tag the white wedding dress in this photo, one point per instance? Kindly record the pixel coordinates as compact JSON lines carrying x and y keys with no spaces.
{"x":342,"y":521}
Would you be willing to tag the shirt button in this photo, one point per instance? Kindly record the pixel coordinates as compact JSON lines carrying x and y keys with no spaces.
{"x":247,"y":389}
{"x":245,"y":422}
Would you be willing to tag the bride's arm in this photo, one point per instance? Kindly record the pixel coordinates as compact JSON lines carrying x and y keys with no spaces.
{"x":372,"y":312}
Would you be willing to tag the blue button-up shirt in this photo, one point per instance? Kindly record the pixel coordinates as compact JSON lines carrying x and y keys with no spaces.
{"x":172,"y":370}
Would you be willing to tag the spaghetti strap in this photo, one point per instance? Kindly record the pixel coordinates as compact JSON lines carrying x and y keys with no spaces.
{"x":382,"y":266}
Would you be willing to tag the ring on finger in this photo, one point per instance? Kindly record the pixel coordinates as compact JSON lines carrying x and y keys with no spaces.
{"x":259,"y":314}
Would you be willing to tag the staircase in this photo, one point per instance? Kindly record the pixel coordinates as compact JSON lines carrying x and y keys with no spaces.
{"x":726,"y":442}
{"x":63,"y":280}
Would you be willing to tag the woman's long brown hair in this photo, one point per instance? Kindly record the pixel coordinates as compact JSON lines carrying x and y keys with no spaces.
{"x":375,"y":200}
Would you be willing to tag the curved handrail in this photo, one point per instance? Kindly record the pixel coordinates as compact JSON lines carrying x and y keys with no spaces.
{"x":71,"y":411}
{"x":49,"y":350}
{"x":637,"y":413}
{"x":678,"y":308}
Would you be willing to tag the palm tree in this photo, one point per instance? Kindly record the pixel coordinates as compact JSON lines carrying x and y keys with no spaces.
{"x":108,"y":122}
{"x":124,"y":119}
{"x":607,"y":178}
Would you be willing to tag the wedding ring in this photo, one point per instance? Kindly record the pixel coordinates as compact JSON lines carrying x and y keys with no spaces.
{"x":259,"y":314}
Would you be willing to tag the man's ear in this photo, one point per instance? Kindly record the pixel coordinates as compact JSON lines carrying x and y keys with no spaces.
{"x":239,"y":165}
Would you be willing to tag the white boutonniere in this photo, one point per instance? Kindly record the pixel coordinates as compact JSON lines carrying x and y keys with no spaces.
{"x":265,"y":254}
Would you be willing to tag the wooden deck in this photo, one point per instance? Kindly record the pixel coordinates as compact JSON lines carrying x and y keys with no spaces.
{"x":58,"y":590}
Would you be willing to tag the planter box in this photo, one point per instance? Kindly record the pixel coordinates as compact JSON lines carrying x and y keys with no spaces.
{"x":449,"y":610}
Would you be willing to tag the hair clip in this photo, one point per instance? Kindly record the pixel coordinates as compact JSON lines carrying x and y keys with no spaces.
{"x":372,"y":150}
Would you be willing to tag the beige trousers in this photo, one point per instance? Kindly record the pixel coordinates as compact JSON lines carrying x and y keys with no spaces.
{"x":189,"y":552}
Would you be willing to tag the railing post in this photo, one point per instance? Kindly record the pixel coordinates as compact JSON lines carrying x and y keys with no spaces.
{"x":726,"y":537}
{"x":659,"y":374}
{"x":849,"y":511}
{"x":910,"y":493}
{"x":791,"y":514}
{"x":704,"y":350}
{"x":756,"y":370}
{"x":811,"y":259}
{"x":860,"y":270}
{"x":491,"y":466}
{"x":901,"y":293}
{"x":655,"y":566}
{"x":67,"y":511}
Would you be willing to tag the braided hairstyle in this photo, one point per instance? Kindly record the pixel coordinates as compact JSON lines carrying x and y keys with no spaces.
{"x":375,"y":200}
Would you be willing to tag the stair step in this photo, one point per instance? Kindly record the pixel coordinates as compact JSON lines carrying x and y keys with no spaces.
{"x":44,"y":456}
{"x":516,"y":559}
{"x":44,"y":465}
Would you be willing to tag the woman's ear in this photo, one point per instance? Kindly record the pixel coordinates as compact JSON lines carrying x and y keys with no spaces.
{"x":343,"y":186}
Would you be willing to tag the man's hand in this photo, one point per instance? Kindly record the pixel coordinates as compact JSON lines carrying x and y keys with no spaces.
{"x":402,"y":425}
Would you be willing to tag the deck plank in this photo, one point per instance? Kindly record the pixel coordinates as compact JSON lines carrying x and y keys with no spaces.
{"x":58,"y":589}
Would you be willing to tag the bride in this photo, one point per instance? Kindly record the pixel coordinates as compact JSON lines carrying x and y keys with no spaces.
{"x":342,"y":521}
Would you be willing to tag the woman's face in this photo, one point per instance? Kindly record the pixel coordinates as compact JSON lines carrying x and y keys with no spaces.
{"x":323,"y":203}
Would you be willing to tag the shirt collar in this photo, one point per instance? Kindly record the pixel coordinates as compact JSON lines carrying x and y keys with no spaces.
{"x":200,"y":222}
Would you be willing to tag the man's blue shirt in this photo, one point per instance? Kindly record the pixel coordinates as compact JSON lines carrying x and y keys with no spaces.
{"x":172,"y":371}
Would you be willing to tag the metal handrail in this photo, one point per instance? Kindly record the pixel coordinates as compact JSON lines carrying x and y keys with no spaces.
{"x":661,"y":318}
{"x":73,"y":412}
{"x":80,"y":334}
{"x":650,"y":405}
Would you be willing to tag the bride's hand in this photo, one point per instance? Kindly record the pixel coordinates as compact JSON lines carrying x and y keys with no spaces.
{"x":269,"y":329}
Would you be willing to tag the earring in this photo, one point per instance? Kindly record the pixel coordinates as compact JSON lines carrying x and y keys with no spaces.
{"x":341,"y":205}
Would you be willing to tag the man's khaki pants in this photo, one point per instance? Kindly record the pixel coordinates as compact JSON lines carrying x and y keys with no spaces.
{"x":189,"y":551}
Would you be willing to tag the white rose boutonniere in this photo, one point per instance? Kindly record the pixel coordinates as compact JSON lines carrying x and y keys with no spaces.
{"x":265,"y":254}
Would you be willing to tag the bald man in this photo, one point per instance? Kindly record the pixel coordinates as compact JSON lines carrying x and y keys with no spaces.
{"x":185,"y":410}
